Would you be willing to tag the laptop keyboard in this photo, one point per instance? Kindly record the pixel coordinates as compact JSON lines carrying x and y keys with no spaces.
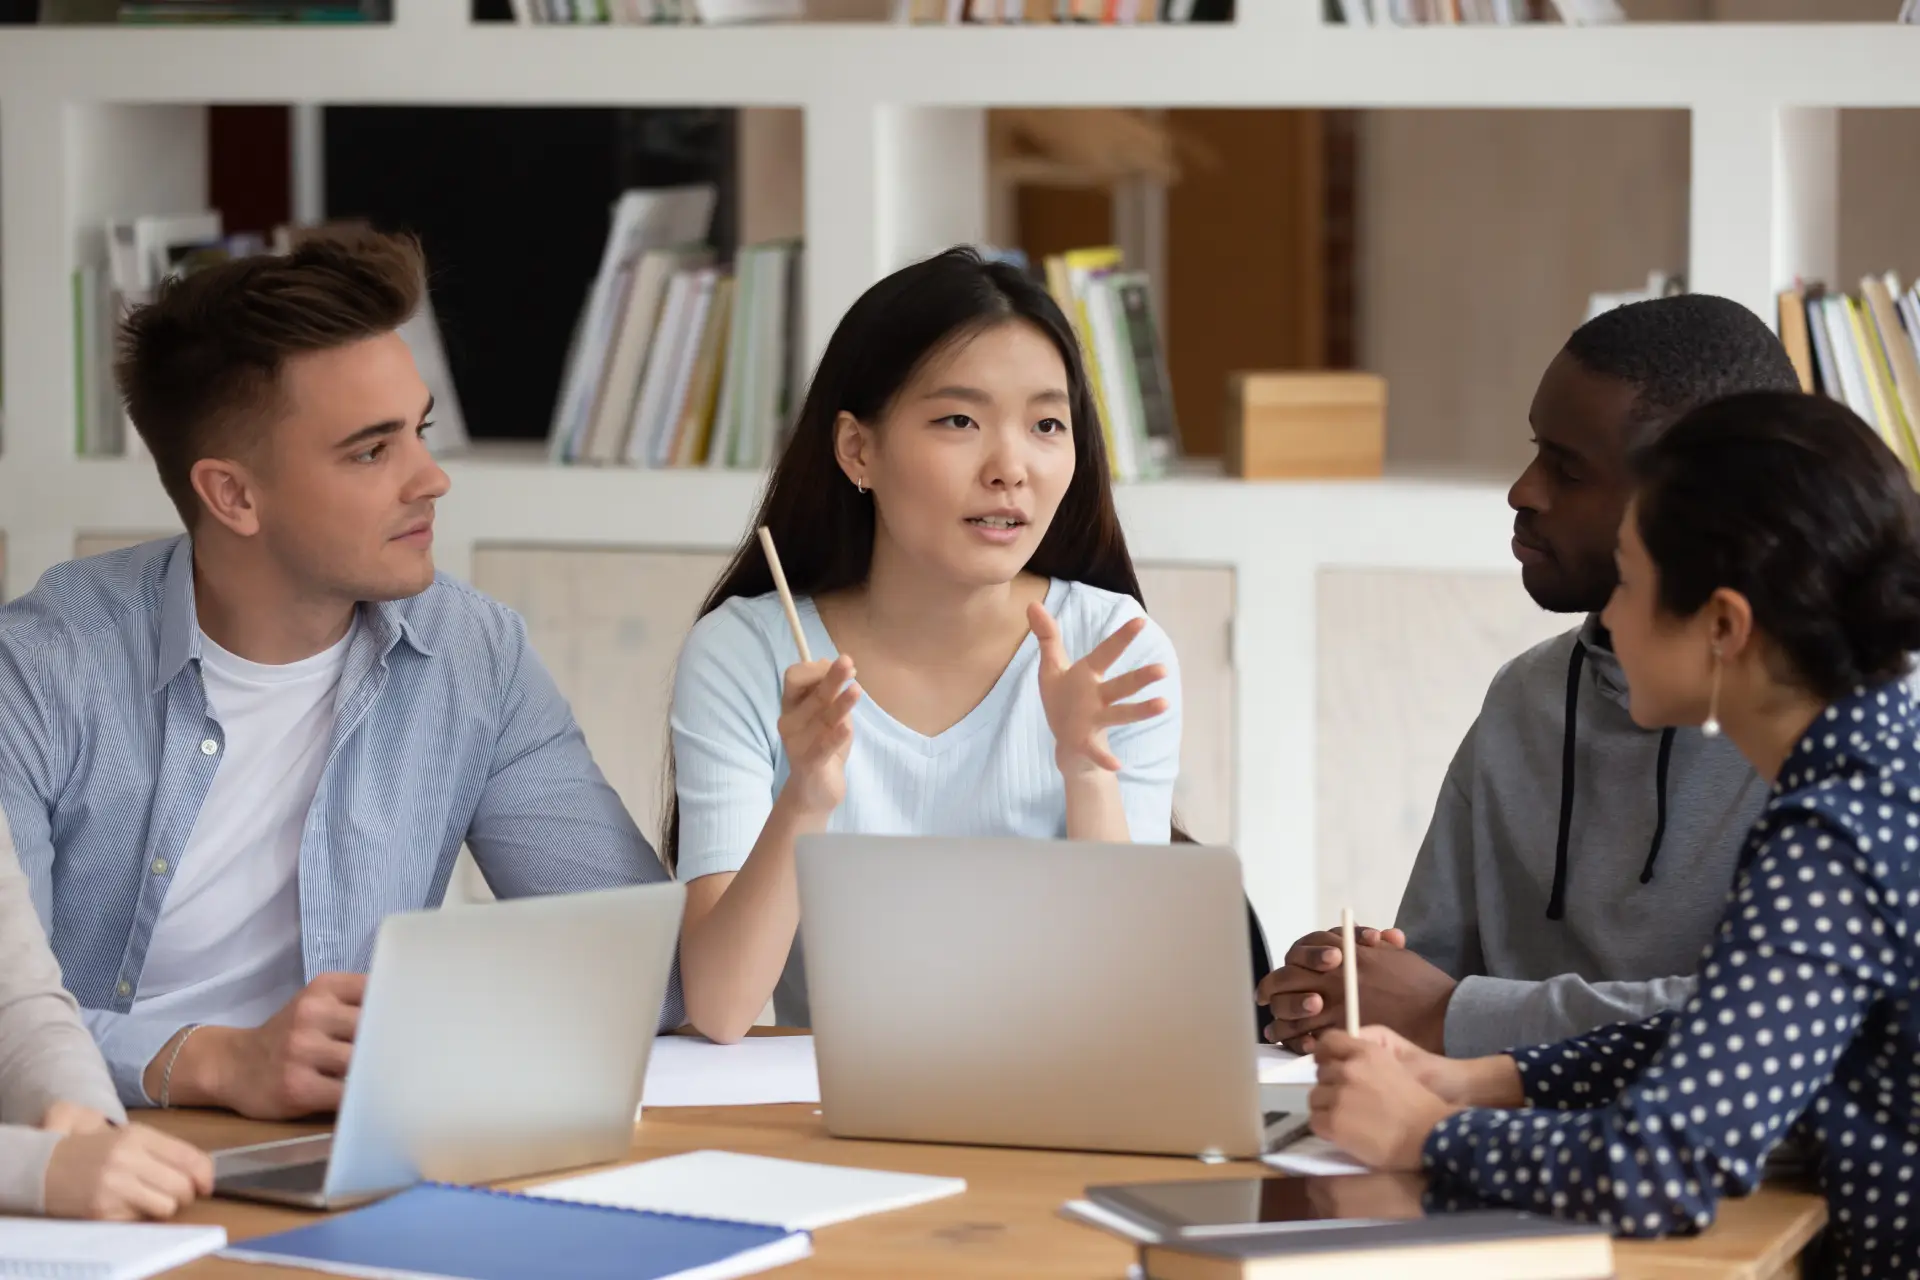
{"x":307,"y":1178}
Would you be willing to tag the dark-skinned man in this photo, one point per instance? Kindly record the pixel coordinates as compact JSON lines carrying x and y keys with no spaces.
{"x":1576,"y":863}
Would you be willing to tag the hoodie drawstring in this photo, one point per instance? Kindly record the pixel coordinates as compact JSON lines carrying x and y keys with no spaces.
{"x":1660,"y":800}
{"x":1557,"y":901}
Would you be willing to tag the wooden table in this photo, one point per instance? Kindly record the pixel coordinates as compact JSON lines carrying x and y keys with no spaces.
{"x":1007,"y":1223}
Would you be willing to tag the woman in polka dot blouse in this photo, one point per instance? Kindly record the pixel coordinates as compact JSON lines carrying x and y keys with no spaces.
{"x":1769,"y":589}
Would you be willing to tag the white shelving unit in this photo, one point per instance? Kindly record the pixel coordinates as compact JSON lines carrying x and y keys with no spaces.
{"x":102,"y":120}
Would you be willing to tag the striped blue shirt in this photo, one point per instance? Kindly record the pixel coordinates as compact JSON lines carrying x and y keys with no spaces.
{"x":448,"y":731}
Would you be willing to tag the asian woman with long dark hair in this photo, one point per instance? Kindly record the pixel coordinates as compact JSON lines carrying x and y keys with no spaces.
{"x":945,"y":519}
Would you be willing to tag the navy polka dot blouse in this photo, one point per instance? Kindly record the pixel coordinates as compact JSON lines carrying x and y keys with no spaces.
{"x":1804,"y":1021}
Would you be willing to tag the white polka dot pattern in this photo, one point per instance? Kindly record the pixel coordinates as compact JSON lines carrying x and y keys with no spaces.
{"x":1804,"y":1018}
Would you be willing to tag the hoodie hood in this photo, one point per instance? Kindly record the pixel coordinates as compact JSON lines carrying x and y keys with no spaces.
{"x":1609,"y":678}
{"x":1592,"y":653}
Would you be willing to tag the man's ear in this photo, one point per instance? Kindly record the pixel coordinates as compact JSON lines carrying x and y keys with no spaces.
{"x":228,"y":494}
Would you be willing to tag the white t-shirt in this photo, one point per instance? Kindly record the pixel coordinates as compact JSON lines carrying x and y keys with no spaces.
{"x":226,"y":949}
{"x":991,"y":774}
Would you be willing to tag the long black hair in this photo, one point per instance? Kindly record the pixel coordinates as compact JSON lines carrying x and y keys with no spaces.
{"x":824,"y":526}
{"x":1797,"y":504}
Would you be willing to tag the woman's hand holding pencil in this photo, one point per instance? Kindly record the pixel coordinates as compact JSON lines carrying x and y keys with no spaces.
{"x":816,"y":728}
{"x":816,"y":711}
{"x":1378,"y":1095}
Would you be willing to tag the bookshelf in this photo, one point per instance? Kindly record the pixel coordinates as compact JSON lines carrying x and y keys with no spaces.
{"x":99,"y":119}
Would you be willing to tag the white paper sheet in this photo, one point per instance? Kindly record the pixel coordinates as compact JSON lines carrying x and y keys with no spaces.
{"x":691,"y":1071}
{"x":111,"y":1250}
{"x":1283,"y":1066}
{"x":742,"y":1188}
{"x":1309,"y":1155}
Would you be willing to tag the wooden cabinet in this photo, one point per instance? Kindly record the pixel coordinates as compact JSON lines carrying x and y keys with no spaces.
{"x":1405,"y":659}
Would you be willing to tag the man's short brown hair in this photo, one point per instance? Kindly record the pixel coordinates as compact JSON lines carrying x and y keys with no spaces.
{"x":199,"y":367}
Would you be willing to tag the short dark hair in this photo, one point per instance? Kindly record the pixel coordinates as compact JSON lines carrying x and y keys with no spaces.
{"x":1797,"y":504}
{"x":1683,"y":351}
{"x":200,"y":364}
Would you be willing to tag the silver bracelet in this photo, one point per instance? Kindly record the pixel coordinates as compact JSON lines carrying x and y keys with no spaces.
{"x":166,"y":1077}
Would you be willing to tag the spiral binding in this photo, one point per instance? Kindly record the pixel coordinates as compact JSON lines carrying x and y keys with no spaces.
{"x":587,"y":1204}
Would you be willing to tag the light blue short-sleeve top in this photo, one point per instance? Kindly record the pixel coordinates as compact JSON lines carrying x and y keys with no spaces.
{"x":991,"y":774}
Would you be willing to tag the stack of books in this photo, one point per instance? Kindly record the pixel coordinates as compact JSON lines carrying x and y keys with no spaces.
{"x":1112,"y":312}
{"x":681,"y":361}
{"x":1578,"y":13}
{"x":631,"y":12}
{"x":1109,"y":12}
{"x":1863,"y":351}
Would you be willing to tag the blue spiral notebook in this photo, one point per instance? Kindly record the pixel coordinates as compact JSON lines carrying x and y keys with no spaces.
{"x":439,"y":1232}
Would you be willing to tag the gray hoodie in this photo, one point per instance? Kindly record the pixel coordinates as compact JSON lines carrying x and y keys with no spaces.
{"x":1564,"y":912}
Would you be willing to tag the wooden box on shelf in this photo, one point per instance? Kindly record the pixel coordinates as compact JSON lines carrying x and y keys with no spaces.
{"x":1305,"y":425}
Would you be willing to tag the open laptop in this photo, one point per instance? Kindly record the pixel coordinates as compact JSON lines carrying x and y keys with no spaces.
{"x":1033,"y":993}
{"x":496,"y":1041}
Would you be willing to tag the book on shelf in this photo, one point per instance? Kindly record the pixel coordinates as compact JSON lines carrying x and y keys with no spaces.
{"x":1862,"y":350}
{"x":680,"y":360}
{"x":194,"y":11}
{"x":134,"y":257}
{"x":1112,"y":313}
{"x":1503,"y":13}
{"x":635,"y":12}
{"x":1102,"y":12}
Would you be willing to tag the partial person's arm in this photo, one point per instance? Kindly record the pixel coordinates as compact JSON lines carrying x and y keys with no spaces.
{"x":547,"y":821}
{"x":732,"y":709}
{"x":46,"y":1055}
{"x":24,"y":1154}
{"x":1492,"y":1015}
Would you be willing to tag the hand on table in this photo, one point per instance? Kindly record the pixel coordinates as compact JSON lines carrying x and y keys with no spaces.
{"x":124,"y":1175}
{"x":292,"y":1065}
{"x":1398,"y":989}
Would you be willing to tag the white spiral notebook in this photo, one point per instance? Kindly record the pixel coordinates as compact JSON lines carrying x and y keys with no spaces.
{"x":39,"y":1249}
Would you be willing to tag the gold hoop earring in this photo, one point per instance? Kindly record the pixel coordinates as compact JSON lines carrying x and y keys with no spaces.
{"x":1711,"y":729}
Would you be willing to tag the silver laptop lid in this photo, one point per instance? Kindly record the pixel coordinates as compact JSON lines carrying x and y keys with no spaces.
{"x":504,"y":1039}
{"x":1031,"y":993}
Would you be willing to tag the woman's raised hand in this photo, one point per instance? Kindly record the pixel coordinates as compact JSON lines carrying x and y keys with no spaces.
{"x":1081,"y":704}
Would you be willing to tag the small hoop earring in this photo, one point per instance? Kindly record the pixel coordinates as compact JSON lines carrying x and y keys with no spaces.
{"x":861,"y":485}
{"x":1711,"y":729}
